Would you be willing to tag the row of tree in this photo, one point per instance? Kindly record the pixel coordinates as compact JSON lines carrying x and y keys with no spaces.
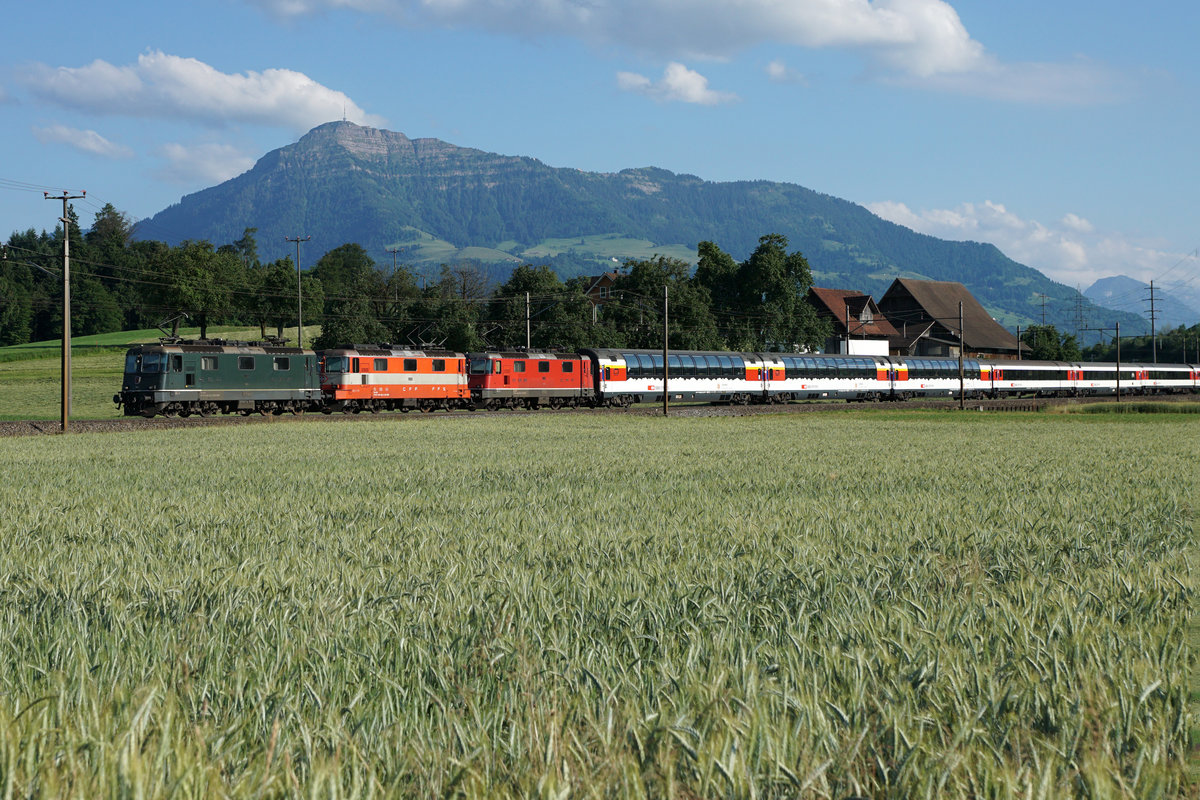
{"x":118,"y":283}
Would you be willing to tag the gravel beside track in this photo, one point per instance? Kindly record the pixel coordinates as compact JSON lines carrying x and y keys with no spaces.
{"x":41,"y":427}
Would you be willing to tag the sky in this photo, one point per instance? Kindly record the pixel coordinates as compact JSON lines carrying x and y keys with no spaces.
{"x":1063,"y":132}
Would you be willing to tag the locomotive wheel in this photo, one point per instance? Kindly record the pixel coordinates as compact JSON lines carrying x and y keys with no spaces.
{"x":555,"y":403}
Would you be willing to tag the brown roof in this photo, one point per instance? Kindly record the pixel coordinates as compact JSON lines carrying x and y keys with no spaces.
{"x":594,"y":281}
{"x":914,"y":301}
{"x":831,"y":304}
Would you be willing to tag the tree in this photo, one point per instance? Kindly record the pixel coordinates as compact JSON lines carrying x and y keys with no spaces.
{"x":199,"y":281}
{"x":778,"y":281}
{"x":16,"y":311}
{"x":560,"y":315}
{"x":718,"y":274}
{"x":273,"y":295}
{"x":1047,"y":344}
{"x":634,"y":309}
{"x":351,"y":285}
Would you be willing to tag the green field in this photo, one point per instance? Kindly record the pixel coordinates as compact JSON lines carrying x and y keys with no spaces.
{"x":31,"y":374}
{"x":882,"y":605}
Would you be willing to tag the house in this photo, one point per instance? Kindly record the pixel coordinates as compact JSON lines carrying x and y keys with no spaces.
{"x":925,"y":315}
{"x":858,"y":326}
{"x":599,"y":288}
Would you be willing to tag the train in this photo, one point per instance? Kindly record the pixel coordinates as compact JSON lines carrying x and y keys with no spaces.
{"x":206,"y":377}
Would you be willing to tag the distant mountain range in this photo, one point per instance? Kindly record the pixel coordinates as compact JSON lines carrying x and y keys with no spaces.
{"x":435,"y":203}
{"x":1122,"y":293}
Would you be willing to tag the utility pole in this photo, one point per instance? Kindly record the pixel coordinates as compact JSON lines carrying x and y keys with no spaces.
{"x":1079,"y":323}
{"x":1018,"y":343}
{"x":66,"y":276}
{"x":299,"y":296}
{"x":847,"y":327}
{"x":392,"y":250}
{"x":1118,"y":361}
{"x":1043,"y":308}
{"x":666,"y":353}
{"x":527,"y":336}
{"x":1153,"y":332}
{"x":962,"y":345}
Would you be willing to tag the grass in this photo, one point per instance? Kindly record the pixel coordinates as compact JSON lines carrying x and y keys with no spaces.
{"x":551,"y":606}
{"x":1130,"y":407}
{"x":33,"y":389}
{"x":31,"y":374}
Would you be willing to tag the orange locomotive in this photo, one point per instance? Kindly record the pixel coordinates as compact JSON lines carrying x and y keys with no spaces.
{"x":381,"y":378}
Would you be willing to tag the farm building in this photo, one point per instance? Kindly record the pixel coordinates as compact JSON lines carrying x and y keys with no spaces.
{"x":858,"y":326}
{"x":926,"y":318}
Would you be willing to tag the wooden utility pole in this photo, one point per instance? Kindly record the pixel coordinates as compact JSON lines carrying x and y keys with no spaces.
{"x":666,"y":353}
{"x":66,"y":276}
{"x":299,"y":296}
{"x":527,"y":324}
{"x":962,"y":344}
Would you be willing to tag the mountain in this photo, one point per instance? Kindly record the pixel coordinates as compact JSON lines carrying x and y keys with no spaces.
{"x":1123,"y":293}
{"x":437,"y":203}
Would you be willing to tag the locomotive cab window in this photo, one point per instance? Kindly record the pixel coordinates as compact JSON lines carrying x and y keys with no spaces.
{"x":480,"y":366}
{"x":152,"y":362}
{"x":282,"y":364}
{"x":131,"y":362}
{"x":177,"y":363}
{"x":332,"y":364}
{"x":245,"y":362}
{"x":568,"y":366}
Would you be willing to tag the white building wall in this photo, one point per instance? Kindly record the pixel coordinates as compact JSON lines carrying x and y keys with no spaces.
{"x":861,"y":347}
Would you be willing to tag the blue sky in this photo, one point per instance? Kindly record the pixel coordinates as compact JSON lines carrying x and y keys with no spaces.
{"x":1064,"y":132}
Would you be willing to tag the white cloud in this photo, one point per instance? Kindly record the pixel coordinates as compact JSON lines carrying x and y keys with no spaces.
{"x":209,"y":163}
{"x":1070,"y":251}
{"x":678,"y":84}
{"x":780,"y":72}
{"x":915,"y":42}
{"x":160,"y":85}
{"x":1076,"y":223}
{"x":1076,"y":83}
{"x":86,"y":141}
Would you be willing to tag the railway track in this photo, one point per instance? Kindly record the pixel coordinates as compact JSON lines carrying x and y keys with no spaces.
{"x":44,"y":427}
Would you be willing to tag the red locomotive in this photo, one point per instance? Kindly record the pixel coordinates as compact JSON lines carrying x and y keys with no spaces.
{"x":529,"y":379}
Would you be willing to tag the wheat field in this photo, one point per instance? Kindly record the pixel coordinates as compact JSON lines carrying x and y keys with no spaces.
{"x":906,"y":605}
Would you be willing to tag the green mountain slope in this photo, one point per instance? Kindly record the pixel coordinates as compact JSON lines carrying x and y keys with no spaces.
{"x":440,"y":203}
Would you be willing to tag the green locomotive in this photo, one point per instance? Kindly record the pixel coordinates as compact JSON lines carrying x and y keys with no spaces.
{"x":212,"y":376}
